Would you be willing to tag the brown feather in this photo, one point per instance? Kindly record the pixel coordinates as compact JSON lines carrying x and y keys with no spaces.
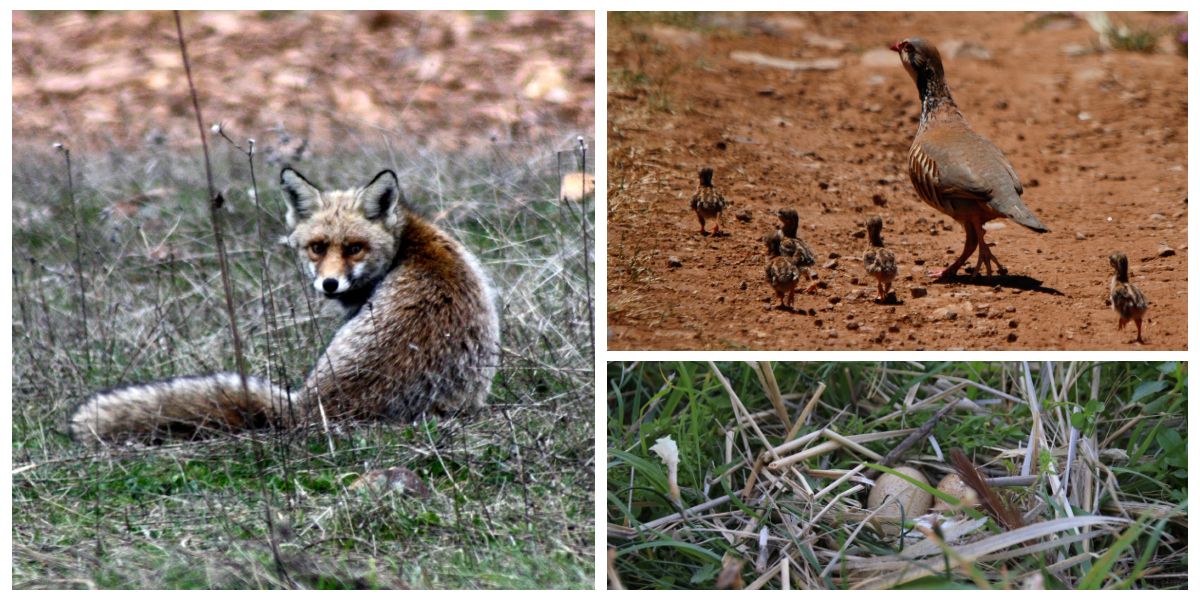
{"x":1004,"y":514}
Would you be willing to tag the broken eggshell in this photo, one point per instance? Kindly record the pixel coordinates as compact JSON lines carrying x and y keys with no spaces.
{"x":953,"y":485}
{"x":914,"y":500}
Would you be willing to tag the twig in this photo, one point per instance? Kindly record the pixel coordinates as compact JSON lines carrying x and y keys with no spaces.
{"x":214,"y":205}
{"x":912,"y":438}
{"x":83,"y":316}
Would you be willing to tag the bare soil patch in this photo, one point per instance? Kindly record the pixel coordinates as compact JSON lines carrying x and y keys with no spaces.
{"x":450,"y":81}
{"x":1098,"y":136}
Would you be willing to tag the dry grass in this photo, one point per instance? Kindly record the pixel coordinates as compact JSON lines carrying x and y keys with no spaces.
{"x":776,"y":463}
{"x":512,"y":486}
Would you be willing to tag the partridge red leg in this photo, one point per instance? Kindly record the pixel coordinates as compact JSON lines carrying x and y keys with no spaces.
{"x":986,"y":258}
{"x":968,"y":249}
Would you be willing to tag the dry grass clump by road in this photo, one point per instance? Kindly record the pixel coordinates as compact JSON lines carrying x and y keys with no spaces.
{"x":1085,"y":466}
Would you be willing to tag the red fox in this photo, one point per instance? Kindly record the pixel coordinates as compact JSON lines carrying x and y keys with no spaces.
{"x":422,"y":332}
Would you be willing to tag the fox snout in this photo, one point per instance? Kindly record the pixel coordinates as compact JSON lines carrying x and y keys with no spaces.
{"x":331,"y":285}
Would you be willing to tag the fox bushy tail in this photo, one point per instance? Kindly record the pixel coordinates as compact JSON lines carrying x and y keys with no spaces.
{"x":182,"y":407}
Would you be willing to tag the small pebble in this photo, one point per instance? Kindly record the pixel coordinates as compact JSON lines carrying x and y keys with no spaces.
{"x":919,"y":292}
{"x":1012,"y":323}
{"x":830,"y":265}
{"x":1012,"y":337}
{"x":744,"y":216}
{"x":834,"y":299}
{"x":674,"y":262}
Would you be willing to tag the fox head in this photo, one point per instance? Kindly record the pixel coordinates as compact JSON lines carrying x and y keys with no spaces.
{"x":348,"y":238}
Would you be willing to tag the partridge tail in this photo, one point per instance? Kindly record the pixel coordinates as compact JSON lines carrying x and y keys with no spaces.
{"x":1013,"y":208}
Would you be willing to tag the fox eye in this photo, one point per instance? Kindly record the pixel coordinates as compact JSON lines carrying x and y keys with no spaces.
{"x":318,"y":248}
{"x":353,"y":249}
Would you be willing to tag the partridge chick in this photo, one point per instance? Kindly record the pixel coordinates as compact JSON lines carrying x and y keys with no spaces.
{"x":1127,"y":300}
{"x":781,"y":272}
{"x":879,"y":261}
{"x":792,"y":246}
{"x":954,"y":169}
{"x":708,"y":202}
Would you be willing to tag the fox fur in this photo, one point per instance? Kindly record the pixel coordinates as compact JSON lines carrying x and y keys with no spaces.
{"x":422,"y":333}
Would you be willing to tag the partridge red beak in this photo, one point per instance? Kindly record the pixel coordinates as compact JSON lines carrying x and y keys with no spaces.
{"x":896,"y":47}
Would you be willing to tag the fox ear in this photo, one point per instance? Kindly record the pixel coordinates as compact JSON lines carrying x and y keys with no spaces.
{"x":381,"y":197}
{"x":302,"y":197}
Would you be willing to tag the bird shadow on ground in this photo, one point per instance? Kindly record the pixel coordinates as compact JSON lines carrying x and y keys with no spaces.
{"x":1018,"y":282}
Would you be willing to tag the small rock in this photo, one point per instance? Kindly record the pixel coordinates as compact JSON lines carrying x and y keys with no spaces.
{"x":893,"y":328}
{"x":859,"y":234}
{"x":812,"y":64}
{"x":965,"y":49}
{"x":1165,"y":251}
{"x":879,"y":57}
{"x":833,"y":255}
{"x":819,"y":322}
{"x":831,"y":333}
{"x":919,"y":292}
{"x":878,"y":200}
{"x":1158,"y":217}
{"x":1012,"y":323}
{"x":1079,"y":235}
{"x":674,"y":262}
{"x":854,"y":281}
{"x":744,"y":216}
{"x":834,"y":299}
{"x":744,"y":286}
{"x":853,"y":326}
{"x":1010,"y":309}
{"x":946,"y":313}
{"x":1012,"y":337}
{"x":830,"y":265}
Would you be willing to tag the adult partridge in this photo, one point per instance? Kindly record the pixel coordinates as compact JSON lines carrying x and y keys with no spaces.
{"x":1127,"y":300}
{"x":708,"y":202}
{"x":954,"y":169}
{"x":879,"y":261}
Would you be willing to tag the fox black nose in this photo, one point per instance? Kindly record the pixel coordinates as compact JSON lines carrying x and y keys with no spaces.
{"x":330,"y":285}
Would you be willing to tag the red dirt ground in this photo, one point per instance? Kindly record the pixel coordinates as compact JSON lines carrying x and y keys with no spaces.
{"x":1099,"y":138}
